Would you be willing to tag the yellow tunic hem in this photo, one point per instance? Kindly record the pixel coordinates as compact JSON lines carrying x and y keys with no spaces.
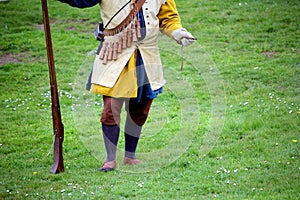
{"x":126,"y":85}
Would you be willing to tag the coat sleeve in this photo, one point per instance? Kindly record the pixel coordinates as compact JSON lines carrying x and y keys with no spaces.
{"x":81,"y":3}
{"x":169,"y":19}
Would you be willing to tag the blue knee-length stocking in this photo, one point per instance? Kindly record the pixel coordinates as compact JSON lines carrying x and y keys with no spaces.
{"x":132,"y":136}
{"x":111,"y":137}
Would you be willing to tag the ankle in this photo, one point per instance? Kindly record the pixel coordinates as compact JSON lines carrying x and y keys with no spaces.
{"x":131,"y":161}
{"x":129,"y":154}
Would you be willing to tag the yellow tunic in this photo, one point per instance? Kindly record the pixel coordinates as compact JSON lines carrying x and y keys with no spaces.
{"x":126,"y":85}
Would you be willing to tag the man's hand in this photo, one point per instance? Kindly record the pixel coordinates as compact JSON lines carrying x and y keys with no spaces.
{"x":183,"y":37}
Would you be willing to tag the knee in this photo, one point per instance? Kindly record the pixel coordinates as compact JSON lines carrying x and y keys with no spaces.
{"x":108,"y":118}
{"x":139,"y":118}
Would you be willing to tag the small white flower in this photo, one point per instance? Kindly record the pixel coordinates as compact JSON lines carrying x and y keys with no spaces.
{"x":227,"y":182}
{"x":63,"y":190}
{"x":69,"y":194}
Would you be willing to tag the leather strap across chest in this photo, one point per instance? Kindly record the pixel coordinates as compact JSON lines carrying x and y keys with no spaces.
{"x":126,"y":21}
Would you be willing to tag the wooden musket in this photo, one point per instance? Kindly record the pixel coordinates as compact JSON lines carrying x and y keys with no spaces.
{"x":58,"y":164}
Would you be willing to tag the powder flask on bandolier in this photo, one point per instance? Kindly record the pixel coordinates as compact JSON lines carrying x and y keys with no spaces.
{"x":125,"y":34}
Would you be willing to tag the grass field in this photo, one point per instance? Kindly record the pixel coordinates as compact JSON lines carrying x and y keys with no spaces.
{"x":225,"y":127}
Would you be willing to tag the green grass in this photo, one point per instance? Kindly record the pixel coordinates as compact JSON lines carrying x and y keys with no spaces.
{"x":226,"y":127}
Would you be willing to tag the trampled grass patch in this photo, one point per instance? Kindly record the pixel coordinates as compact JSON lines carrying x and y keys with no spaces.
{"x":225,"y":127}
